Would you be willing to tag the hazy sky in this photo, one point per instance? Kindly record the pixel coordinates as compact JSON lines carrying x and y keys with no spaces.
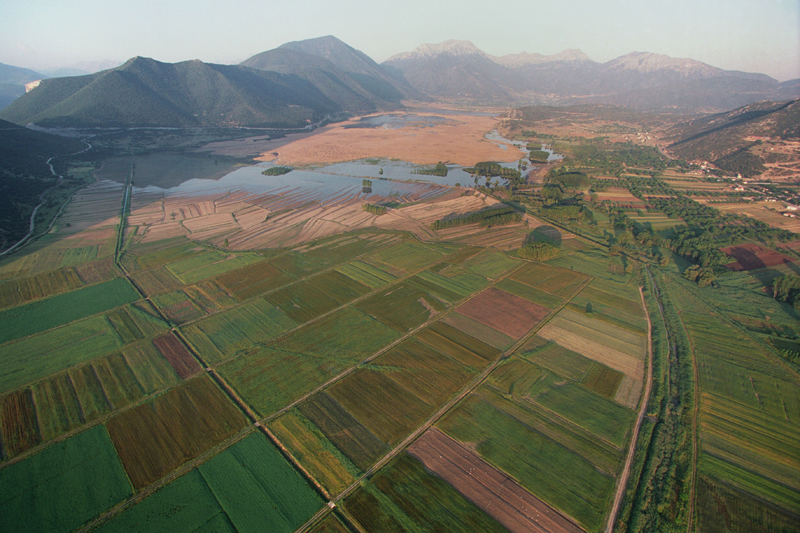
{"x":749,"y":35}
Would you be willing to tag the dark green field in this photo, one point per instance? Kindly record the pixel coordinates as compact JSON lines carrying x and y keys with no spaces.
{"x":52,"y":312}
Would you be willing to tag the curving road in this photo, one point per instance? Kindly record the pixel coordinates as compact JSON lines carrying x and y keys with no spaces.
{"x":31,"y":225}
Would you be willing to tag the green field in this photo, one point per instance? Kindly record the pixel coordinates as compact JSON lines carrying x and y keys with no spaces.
{"x":484,"y":333}
{"x":410,"y":256}
{"x":345,"y":337}
{"x":549,"y":470}
{"x":458,"y":345}
{"x":136,"y":321}
{"x":208,"y":264}
{"x":178,"y":307}
{"x":603,"y":380}
{"x":530,"y":293}
{"x":253,"y":280}
{"x":301,"y":302}
{"x":490,"y":264}
{"x":62,"y":309}
{"x":595,"y":414}
{"x":452,"y":287}
{"x":366,"y":274}
{"x":555,"y":281}
{"x":64,"y":486}
{"x":425,"y":372}
{"x":555,"y":358}
{"x":156,"y":281}
{"x":339,"y":287}
{"x":330,"y":252}
{"x":159,"y":253}
{"x":19,"y":291}
{"x":247,"y":487}
{"x":401,"y":307}
{"x":52,"y":351}
{"x":603,"y":455}
{"x":270,"y":379}
{"x":222,"y":335}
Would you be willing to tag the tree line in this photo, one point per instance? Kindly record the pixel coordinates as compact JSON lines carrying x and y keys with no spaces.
{"x":487,"y":217}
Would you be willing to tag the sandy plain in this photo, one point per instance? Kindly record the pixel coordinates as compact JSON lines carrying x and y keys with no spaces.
{"x":459,"y":140}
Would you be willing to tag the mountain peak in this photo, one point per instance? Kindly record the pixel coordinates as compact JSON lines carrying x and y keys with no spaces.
{"x":524,"y":58}
{"x":320,"y":46}
{"x":650,"y":62}
{"x":337,"y":52}
{"x":451,"y":47}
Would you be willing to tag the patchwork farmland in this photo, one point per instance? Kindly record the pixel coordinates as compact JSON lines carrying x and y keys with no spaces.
{"x":372,"y":380}
{"x":341,"y":349}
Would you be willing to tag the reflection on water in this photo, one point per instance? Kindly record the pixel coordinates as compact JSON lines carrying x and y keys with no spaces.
{"x":391,"y":180}
{"x":495,"y":137}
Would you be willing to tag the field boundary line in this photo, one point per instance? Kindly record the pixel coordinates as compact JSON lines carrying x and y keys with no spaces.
{"x":166,"y":480}
{"x":570,"y":424}
{"x":97,"y":421}
{"x":622,"y":481}
{"x":454,"y":400}
{"x":436,"y":318}
{"x":769,"y":351}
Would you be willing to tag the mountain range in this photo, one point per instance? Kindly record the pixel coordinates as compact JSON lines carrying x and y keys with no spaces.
{"x":458,"y":70}
{"x":302,"y":82}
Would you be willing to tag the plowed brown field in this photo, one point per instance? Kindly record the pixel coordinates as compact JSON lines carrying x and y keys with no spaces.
{"x":504,"y":312}
{"x":490,"y":489}
{"x":751,"y":256}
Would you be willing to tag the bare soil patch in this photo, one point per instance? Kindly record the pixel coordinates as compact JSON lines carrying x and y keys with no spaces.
{"x":490,"y":489}
{"x":178,"y":356}
{"x":504,"y":312}
{"x":751,"y":256}
{"x":460,"y":140}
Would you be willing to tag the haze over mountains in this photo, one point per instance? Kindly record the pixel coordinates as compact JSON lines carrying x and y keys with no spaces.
{"x":300,"y":83}
{"x":459,"y":70}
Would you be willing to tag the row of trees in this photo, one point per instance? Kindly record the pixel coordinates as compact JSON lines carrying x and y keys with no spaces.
{"x":499,"y":213}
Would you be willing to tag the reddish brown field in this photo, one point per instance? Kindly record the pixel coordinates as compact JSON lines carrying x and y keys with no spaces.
{"x":20,"y":429}
{"x":490,"y":489}
{"x":752,"y":257}
{"x":156,"y":437}
{"x":178,"y":356}
{"x":504,"y":312}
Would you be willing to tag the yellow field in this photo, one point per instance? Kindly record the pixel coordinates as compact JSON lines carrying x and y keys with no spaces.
{"x":627,"y":364}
